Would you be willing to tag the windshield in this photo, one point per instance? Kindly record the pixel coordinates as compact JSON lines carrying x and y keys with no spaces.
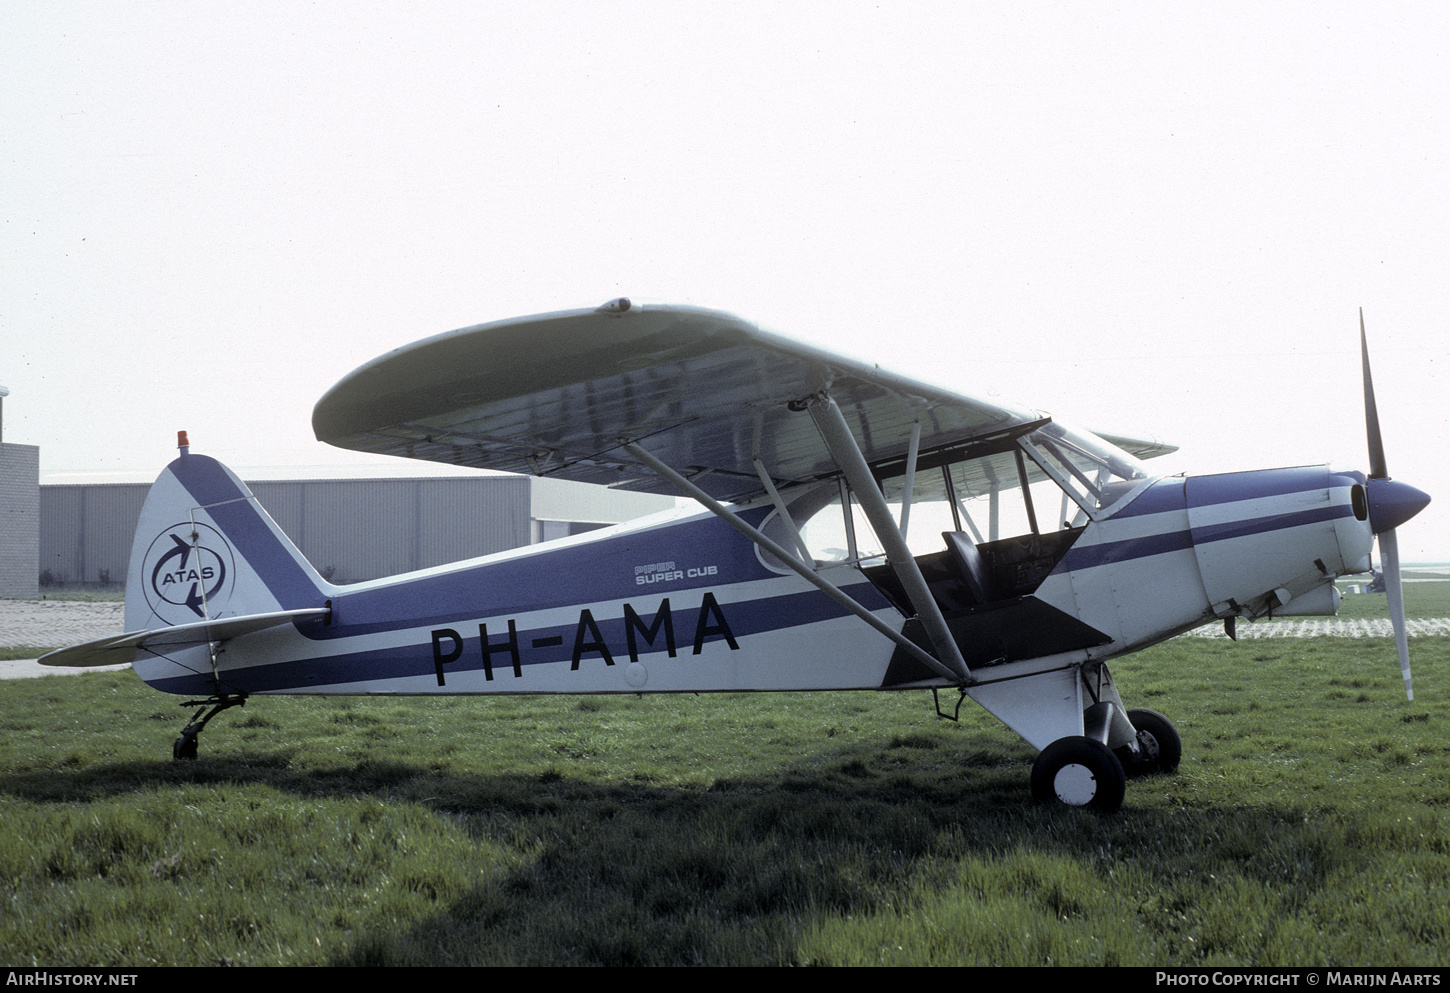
{"x":1095,"y":474}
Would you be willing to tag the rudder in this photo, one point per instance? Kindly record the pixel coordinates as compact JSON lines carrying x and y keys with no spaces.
{"x":206,"y":549}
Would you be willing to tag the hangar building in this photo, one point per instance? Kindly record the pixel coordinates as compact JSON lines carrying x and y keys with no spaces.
{"x":349,"y":529}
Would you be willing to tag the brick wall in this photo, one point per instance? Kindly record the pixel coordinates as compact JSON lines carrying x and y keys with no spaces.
{"x":19,"y":521}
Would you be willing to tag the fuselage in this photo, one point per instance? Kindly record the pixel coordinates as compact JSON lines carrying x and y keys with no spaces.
{"x":683,"y":603}
{"x":859,"y":531}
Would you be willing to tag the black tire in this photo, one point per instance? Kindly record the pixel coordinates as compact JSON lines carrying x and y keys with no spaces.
{"x":1159,"y":747}
{"x":1079,"y":772}
{"x":184,"y":748}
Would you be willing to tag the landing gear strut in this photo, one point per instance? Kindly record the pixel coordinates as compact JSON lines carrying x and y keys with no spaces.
{"x":185,"y":746}
{"x":1157,"y":748}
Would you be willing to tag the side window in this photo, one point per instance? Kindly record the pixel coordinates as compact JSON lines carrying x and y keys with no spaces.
{"x":818,"y":515}
{"x":822,"y":524}
{"x":931,"y":511}
{"x":1050,"y":480}
{"x":992,"y":503}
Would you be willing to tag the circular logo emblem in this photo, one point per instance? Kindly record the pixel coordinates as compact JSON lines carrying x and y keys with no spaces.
{"x":188,"y":573}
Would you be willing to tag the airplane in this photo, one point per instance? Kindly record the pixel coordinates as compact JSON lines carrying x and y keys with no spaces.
{"x":852,"y":529}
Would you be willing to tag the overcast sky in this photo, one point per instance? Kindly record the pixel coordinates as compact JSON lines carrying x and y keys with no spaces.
{"x":1156,"y":218}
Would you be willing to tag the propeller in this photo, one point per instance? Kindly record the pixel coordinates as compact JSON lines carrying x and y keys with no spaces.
{"x":1390,"y":505}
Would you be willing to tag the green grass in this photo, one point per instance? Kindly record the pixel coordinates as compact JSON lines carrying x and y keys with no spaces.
{"x":11,"y":653}
{"x":1307,"y":825}
{"x":1423,"y":600}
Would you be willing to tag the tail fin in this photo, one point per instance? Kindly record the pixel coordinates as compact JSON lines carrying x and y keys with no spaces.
{"x":205,"y":550}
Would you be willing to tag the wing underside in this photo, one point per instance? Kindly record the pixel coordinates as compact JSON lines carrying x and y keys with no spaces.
{"x":704,"y":391}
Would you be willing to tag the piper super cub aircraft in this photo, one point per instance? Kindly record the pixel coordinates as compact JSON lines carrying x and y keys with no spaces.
{"x":857,"y":530}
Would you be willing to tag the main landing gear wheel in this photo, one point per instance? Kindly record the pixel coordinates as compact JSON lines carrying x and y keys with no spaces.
{"x":1159,"y":747}
{"x":1079,"y":772}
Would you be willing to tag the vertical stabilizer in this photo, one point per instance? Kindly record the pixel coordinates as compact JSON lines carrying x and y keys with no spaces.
{"x":206,"y":550}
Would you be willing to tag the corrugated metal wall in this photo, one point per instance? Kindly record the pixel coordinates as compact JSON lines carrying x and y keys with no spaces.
{"x":566,"y":500}
{"x":351,"y":530}
{"x":86,"y":531}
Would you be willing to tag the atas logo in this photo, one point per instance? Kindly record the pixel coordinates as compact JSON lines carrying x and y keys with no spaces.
{"x":188,"y":569}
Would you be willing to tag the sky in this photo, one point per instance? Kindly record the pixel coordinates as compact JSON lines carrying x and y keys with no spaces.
{"x":1148,"y":218}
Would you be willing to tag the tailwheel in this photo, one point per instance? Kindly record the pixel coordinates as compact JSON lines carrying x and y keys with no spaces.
{"x":1157,"y":748}
{"x":1079,"y":772}
{"x":185,"y":747}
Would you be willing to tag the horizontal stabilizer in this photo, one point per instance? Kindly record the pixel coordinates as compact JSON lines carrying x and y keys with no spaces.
{"x":122,"y":649}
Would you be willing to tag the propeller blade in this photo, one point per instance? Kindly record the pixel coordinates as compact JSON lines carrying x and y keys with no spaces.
{"x":1377,"y":468}
{"x":1395,"y":592}
{"x":1391,"y":504}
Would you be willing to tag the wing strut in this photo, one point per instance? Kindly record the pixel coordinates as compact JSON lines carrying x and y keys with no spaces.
{"x":843,"y":448}
{"x":911,"y":452}
{"x":795,"y":564}
{"x":781,"y":509}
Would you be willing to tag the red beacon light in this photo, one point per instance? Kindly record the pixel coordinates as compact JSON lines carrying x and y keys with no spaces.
{"x":182,"y":443}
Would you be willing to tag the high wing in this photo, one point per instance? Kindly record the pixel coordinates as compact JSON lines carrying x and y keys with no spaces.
{"x":702,"y":390}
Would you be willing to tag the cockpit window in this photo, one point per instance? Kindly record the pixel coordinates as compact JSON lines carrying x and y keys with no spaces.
{"x":829,"y":536}
{"x":1052,"y":478}
{"x":1094,"y":474}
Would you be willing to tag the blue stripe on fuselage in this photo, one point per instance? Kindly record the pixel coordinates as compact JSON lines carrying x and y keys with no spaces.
{"x":1169,"y":496}
{"x":689,"y":620}
{"x":1207,"y":533}
{"x":575,"y":574}
{"x":1085,"y":557}
{"x":1164,"y":496}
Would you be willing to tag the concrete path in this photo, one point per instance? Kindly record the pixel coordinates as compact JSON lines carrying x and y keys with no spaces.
{"x":53,"y":623}
{"x":1328,"y":627}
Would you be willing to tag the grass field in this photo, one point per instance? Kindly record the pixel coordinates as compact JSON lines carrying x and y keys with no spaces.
{"x":1423,"y":599}
{"x":1309,"y":824}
